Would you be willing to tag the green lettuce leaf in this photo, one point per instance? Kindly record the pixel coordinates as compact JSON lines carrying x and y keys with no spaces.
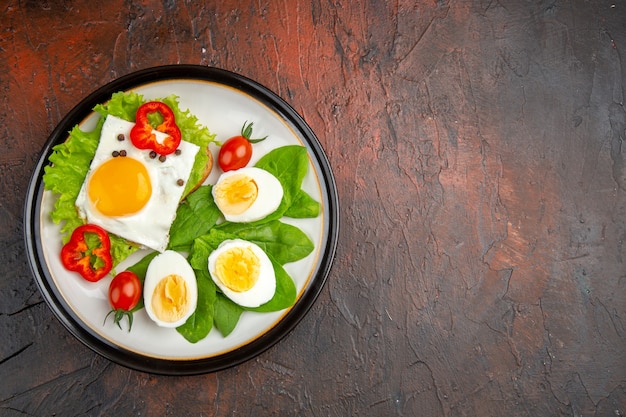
{"x":70,"y":162}
{"x":122,"y":105}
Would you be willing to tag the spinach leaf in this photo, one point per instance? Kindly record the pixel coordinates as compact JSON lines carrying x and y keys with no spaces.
{"x":285,"y":294}
{"x":284,"y":242}
{"x":289,"y":164}
{"x":140,"y":268}
{"x":199,"y":324}
{"x":203,"y":246}
{"x":195,"y":216}
{"x":227,"y":314}
{"x":195,"y":230}
{"x":303,"y":206}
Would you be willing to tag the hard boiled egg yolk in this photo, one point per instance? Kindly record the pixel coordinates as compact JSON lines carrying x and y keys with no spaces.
{"x":170,"y":301}
{"x":236,"y":193}
{"x":238,"y":268}
{"x":120,"y":186}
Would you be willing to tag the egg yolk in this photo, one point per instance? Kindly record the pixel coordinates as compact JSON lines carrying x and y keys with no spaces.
{"x":120,"y":186}
{"x":236,"y":193}
{"x":170,"y":301}
{"x":238,"y":268}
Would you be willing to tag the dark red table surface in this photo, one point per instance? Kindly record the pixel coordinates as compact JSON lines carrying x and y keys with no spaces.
{"x":480,"y":158}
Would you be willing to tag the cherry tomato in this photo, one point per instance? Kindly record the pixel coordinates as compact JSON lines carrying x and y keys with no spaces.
{"x":124,"y":295}
{"x":236,"y":152}
{"x":124,"y":291}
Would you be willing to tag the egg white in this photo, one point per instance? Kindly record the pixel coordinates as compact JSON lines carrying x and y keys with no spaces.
{"x":265,"y":287}
{"x":150,"y":226}
{"x":164,"y":264}
{"x":270,"y":195}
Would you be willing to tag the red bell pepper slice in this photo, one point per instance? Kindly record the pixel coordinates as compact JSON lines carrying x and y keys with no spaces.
{"x":141,"y":133}
{"x":77,"y":256}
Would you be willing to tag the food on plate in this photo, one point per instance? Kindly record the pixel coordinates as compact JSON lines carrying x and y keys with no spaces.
{"x":247,"y":194}
{"x":88,"y":252}
{"x":134,"y":193}
{"x":138,"y":181}
{"x":170,"y":292}
{"x":202,"y":175}
{"x":236,"y":152}
{"x":243,"y":272}
{"x":124,"y":295}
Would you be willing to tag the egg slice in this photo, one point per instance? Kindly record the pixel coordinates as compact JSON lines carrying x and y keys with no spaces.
{"x":243,"y":272}
{"x":131,"y":193}
{"x":247,"y":194}
{"x":170,"y":290}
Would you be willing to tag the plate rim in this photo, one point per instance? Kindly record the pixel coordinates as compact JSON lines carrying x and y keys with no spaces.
{"x":245,"y":352}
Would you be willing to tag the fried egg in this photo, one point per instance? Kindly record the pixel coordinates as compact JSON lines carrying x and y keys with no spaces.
{"x":170,"y":290}
{"x":243,"y":272}
{"x":131,"y":192}
{"x":247,"y":194}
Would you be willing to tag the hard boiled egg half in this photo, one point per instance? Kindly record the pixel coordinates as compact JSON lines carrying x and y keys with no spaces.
{"x":247,"y":194}
{"x":243,"y":272}
{"x":170,"y":291}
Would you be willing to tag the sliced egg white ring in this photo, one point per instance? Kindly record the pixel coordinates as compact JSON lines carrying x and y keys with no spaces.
{"x":247,"y":194}
{"x":170,"y":290}
{"x":228,"y":268}
{"x":151,"y":224}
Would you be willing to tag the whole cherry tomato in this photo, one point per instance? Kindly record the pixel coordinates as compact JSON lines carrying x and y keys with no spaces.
{"x":124,"y":295}
{"x":236,"y":152}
